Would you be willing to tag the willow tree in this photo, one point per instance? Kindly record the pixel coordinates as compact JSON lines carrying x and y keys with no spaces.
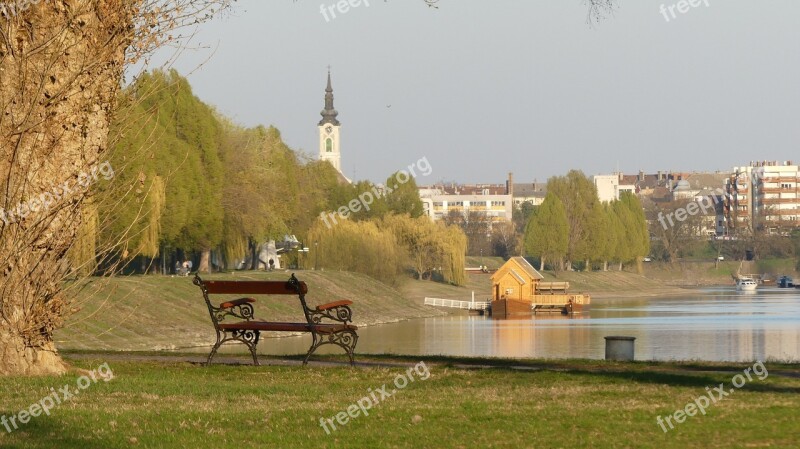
{"x":165,"y":142}
{"x":61,"y":67}
{"x":261,"y":190}
{"x":356,"y":246}
{"x":431,"y":246}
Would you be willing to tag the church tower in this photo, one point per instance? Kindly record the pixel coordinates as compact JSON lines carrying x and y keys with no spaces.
{"x":329,"y":149}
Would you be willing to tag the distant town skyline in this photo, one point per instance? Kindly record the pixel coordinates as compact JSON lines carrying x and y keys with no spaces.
{"x":481,"y":89}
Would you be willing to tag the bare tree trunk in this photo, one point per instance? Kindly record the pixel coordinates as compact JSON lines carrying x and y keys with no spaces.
{"x":205,"y":261}
{"x":605,"y":265}
{"x":60,"y":68}
{"x":253,"y":255}
{"x":17,"y":357}
{"x":541,"y":264}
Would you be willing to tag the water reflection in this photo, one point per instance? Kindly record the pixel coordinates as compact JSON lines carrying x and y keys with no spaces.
{"x":709,"y":324}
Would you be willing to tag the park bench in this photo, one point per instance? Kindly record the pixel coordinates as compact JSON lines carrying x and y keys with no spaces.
{"x":234,"y":319}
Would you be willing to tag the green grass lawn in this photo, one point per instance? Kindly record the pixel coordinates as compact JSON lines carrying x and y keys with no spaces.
{"x":558,"y":404}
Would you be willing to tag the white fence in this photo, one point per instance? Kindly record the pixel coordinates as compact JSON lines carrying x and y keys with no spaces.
{"x":456,"y":304}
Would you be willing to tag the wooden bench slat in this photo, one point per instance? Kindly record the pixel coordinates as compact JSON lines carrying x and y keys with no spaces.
{"x":252,"y":287}
{"x":286,"y":327}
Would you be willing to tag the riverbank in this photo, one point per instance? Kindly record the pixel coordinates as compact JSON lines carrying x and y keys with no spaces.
{"x":413,"y":402}
{"x":598,"y":284}
{"x":135,"y":313}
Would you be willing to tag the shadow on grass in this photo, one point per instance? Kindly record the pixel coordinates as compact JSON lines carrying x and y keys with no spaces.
{"x":675,"y":374}
{"x":694,"y":374}
{"x":47,"y":432}
{"x":685,"y":380}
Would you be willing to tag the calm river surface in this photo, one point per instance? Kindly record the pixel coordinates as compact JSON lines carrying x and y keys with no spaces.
{"x":714,"y":324}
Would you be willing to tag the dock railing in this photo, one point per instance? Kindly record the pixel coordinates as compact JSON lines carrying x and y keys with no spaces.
{"x":456,"y":304}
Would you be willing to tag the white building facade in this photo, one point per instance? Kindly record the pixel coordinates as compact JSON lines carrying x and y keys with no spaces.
{"x":498,"y":208}
{"x":764,"y":194}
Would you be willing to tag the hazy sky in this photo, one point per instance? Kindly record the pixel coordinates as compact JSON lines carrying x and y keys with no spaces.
{"x":484,"y":87}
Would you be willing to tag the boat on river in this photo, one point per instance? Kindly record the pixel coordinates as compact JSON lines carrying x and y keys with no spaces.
{"x":786,"y":282}
{"x":746,"y":284}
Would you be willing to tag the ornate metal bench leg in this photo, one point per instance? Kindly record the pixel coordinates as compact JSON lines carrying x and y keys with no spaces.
{"x":350,"y":348}
{"x":346,"y":340}
{"x":253,"y":351}
{"x":317,"y":341}
{"x":250,"y":338}
{"x":213,"y":351}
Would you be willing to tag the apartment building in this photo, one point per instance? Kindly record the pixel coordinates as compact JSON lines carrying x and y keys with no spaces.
{"x":764,"y":195}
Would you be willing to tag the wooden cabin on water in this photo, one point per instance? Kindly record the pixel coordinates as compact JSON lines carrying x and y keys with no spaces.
{"x":518,"y":289}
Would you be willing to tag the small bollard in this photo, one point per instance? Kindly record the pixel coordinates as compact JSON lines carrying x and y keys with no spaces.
{"x":619,"y":348}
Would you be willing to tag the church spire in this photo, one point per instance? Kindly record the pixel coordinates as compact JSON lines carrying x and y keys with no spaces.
{"x":329,"y":113}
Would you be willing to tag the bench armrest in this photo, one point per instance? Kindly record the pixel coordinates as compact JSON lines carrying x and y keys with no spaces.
{"x":238,"y":308}
{"x":336,"y":311}
{"x":335,"y":304}
{"x":236,"y":302}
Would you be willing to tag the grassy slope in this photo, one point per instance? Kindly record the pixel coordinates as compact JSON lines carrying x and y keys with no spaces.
{"x":705,"y":273}
{"x":178,"y":405}
{"x":154,"y":312}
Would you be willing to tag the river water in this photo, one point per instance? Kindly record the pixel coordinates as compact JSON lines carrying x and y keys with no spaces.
{"x":712,"y":324}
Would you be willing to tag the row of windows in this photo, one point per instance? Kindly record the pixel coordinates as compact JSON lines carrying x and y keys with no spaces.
{"x":779,"y":218}
{"x":461,"y":203}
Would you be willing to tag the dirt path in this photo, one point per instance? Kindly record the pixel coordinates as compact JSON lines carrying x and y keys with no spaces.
{"x":593,"y":366}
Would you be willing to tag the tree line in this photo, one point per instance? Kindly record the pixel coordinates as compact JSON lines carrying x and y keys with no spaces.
{"x":572,"y":228}
{"x":190,"y":184}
